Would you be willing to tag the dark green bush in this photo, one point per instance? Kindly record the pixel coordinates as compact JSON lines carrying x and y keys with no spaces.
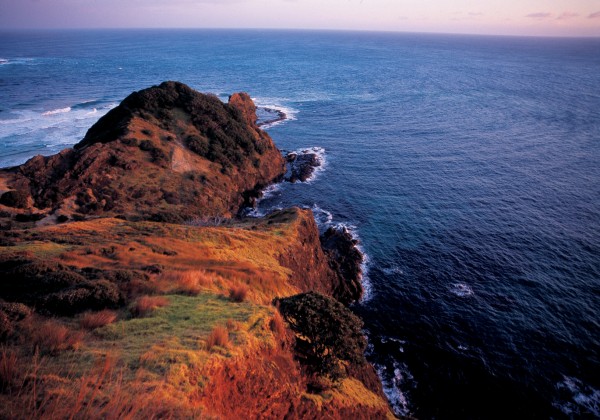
{"x":328,"y":335}
{"x":92,"y":295}
{"x":15,"y":198}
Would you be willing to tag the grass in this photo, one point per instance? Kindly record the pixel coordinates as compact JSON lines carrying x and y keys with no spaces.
{"x":238,"y":293}
{"x":277,"y":325}
{"x":52,"y":337}
{"x":219,"y":336}
{"x":9,"y":370}
{"x":144,"y":305}
{"x":175,"y":332}
{"x":190,"y":282}
{"x":246,"y":252}
{"x":39,"y":249}
{"x":93,"y":320}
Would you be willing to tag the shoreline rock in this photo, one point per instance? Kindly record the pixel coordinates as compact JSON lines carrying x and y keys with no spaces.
{"x":301,"y":165}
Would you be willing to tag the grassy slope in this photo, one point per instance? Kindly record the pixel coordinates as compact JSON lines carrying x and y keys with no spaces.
{"x":162,"y":364}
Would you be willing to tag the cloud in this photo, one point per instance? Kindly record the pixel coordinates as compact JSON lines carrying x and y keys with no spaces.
{"x":475,"y":14}
{"x":595,"y":15}
{"x":567,"y":15}
{"x":539,"y":15}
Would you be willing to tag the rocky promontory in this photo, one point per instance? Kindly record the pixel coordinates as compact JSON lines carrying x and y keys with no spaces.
{"x":131,"y":289}
{"x":165,"y":153}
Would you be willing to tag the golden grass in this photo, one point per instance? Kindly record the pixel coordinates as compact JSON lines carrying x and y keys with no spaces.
{"x":93,"y":320}
{"x":147,"y":304}
{"x":219,"y":336}
{"x":190,"y":282}
{"x":9,"y":370}
{"x":50,"y":336}
{"x":238,"y":293}
{"x":277,"y":325}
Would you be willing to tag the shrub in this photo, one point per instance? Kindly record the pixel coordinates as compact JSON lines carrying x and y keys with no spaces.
{"x":52,"y":337}
{"x":328,"y":335}
{"x":98,"y":294}
{"x":25,"y":277}
{"x":14,"y":310}
{"x":131,"y":283}
{"x":238,"y":293}
{"x":15,"y":198}
{"x":146,"y":304}
{"x":219,"y":336}
{"x":93,"y":320}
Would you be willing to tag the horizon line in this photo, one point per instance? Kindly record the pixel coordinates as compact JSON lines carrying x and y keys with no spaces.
{"x":107,"y":28}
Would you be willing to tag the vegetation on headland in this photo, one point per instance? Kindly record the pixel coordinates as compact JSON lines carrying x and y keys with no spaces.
{"x":133,"y":316}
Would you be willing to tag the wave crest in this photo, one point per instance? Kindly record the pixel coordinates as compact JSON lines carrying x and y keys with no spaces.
{"x":57,"y":111}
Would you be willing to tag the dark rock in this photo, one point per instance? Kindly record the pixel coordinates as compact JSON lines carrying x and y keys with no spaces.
{"x":301,"y":166}
{"x":345,"y":259}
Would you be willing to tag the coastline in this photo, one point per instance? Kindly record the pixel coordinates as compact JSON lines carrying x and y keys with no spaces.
{"x":146,"y":252}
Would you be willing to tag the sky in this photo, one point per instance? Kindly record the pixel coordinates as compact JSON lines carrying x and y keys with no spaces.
{"x":499,"y":17}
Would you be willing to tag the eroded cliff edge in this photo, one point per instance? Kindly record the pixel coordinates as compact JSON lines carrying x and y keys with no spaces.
{"x":127,"y":289}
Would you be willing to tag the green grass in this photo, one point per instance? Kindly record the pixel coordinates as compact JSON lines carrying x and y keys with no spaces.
{"x":40,"y":249}
{"x":174,"y":333}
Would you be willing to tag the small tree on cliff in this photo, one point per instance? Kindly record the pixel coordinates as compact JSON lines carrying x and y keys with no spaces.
{"x":328,"y":335}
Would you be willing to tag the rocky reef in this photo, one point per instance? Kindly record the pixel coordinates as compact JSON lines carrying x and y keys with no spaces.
{"x":301,"y":165}
{"x":130,"y":289}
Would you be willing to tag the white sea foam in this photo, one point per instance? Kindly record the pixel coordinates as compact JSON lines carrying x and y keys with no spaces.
{"x":3,"y":61}
{"x":393,"y":382}
{"x":392,"y":269}
{"x":461,"y":289}
{"x":321,"y":158}
{"x":366,"y":262}
{"x":47,"y":132}
{"x":322,"y":217}
{"x":579,"y":400}
{"x":57,"y":111}
{"x":275,"y":104}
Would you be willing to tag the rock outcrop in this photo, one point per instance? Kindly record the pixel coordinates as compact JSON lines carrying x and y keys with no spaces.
{"x":165,"y":153}
{"x":301,"y":165}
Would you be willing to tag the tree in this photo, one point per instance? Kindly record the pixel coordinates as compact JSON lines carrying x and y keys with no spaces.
{"x":328,"y":335}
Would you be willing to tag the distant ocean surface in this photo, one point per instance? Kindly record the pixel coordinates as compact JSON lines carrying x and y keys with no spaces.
{"x":469,"y":168}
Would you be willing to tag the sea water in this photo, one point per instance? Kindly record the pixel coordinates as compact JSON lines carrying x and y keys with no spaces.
{"x":468,"y":167}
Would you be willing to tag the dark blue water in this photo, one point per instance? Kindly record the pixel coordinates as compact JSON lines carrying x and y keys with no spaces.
{"x":468,"y":166}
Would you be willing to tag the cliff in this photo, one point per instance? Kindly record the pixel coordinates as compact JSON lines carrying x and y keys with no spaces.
{"x":117,"y":309}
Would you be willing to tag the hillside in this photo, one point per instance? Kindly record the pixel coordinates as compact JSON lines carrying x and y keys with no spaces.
{"x":166,"y":153}
{"x":146,"y":307}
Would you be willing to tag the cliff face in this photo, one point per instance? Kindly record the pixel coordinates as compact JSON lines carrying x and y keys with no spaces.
{"x":329,"y":264}
{"x":165,"y":153}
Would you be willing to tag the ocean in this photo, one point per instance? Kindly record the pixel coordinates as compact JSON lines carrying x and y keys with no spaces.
{"x":467,"y":166}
